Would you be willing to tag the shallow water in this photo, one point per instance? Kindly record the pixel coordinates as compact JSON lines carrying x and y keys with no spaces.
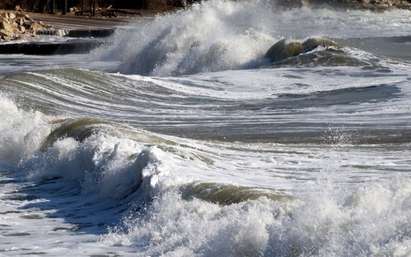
{"x":178,"y":138}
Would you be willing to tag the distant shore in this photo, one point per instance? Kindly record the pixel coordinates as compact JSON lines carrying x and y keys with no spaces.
{"x":124,"y":16}
{"x":25,"y":32}
{"x":81,"y":33}
{"x":69,"y":21}
{"x":27,"y":26}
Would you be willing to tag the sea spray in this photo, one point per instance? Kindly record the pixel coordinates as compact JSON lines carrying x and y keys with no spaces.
{"x":228,"y":163}
{"x":214,"y":36}
{"x":370,"y":221}
{"x":21,"y":131}
{"x":222,"y":35}
{"x":364,"y":212}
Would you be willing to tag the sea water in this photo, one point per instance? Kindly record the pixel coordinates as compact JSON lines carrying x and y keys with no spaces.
{"x":179,"y":138}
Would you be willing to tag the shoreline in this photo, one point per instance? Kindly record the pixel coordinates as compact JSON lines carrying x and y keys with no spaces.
{"x":79,"y":34}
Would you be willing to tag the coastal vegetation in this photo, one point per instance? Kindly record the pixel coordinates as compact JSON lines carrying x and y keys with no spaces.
{"x":91,"y":7}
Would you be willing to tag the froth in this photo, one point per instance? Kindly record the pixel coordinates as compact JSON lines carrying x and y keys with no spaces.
{"x":223,"y":35}
{"x":102,"y":165}
{"x":21,"y":132}
{"x":218,"y":35}
{"x":370,"y":221}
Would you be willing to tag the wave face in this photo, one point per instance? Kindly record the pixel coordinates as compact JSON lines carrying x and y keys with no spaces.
{"x":144,"y":186}
{"x":198,"y":146}
{"x":286,"y":105}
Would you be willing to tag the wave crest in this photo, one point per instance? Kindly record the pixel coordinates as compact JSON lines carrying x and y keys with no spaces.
{"x":213,"y":36}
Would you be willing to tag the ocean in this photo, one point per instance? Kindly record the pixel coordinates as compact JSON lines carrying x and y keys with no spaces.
{"x":178,"y":137}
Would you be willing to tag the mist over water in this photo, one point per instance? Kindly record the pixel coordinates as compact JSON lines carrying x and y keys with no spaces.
{"x":178,"y":138}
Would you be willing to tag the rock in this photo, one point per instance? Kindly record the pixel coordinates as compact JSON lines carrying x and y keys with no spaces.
{"x":301,"y":54}
{"x":328,"y":57}
{"x":283,"y":50}
{"x":27,"y":24}
{"x":35,"y":27}
{"x":12,"y":16}
{"x":312,"y":43}
{"x":3,"y":35}
{"x":14,"y":25}
{"x":28,"y":18}
{"x":20,"y":21}
{"x":7,"y":27}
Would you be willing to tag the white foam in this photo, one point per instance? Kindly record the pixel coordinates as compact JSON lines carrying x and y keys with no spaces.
{"x":371,"y":221}
{"x":220,"y":35}
{"x":349,"y":202}
{"x":21,"y":131}
{"x":336,"y":214}
{"x":209,"y":37}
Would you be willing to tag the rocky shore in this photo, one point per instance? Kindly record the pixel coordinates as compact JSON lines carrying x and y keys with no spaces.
{"x":81,"y":35}
{"x":18,"y":25}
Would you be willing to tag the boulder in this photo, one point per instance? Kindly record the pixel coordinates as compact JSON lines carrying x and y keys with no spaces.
{"x":328,"y":57}
{"x":20,"y":21}
{"x":15,"y":25}
{"x":12,"y":16}
{"x":26,"y":17}
{"x":35,"y":27}
{"x":7,"y":30}
{"x":283,"y":50}
{"x":312,"y":43}
{"x":6,"y":26}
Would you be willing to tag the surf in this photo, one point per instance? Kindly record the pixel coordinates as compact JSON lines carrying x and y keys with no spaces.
{"x":182,"y":136}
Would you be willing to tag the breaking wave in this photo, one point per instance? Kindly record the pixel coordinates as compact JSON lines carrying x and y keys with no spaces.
{"x":186,"y":218}
{"x":372,"y":221}
{"x":223,"y":35}
{"x":308,"y":156}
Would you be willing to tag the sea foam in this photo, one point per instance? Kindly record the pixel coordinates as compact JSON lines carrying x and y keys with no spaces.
{"x":223,"y":35}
